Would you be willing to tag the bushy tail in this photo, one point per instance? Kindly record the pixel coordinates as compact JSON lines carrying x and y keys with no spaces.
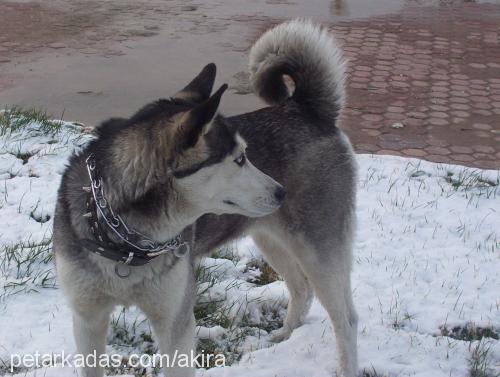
{"x":309,"y":55}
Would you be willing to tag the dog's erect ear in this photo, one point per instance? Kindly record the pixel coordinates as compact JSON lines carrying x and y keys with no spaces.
{"x":200,"y":88}
{"x":197,"y":121}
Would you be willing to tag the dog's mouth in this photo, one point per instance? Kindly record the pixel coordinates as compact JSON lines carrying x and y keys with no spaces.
{"x":257,"y":211}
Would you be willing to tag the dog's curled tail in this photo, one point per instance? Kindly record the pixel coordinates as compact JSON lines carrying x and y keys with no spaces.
{"x":309,"y":55}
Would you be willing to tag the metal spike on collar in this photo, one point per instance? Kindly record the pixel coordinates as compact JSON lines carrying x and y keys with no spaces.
{"x":141,"y":249}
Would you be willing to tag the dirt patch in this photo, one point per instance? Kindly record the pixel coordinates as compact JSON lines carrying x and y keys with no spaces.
{"x":28,"y":26}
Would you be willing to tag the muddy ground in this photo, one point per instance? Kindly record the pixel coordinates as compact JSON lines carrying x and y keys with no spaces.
{"x":424,"y":76}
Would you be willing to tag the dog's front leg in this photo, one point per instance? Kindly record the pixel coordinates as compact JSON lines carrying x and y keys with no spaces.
{"x":169,"y":306}
{"x":90,"y":327}
{"x":177,"y":341}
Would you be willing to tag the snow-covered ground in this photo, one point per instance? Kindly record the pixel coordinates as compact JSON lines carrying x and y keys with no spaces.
{"x":427,"y":264}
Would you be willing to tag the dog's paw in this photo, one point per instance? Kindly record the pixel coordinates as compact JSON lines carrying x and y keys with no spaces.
{"x":281,"y":334}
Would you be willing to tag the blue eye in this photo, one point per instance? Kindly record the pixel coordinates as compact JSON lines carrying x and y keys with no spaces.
{"x":240,"y":160}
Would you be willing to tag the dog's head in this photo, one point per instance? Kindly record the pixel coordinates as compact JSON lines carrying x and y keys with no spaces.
{"x":180,"y":147}
{"x":208,"y":162}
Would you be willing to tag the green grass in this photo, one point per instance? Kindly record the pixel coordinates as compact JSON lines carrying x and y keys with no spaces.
{"x":371,"y":373}
{"x":472,"y":179}
{"x":266,"y":273}
{"x":26,"y":267}
{"x":15,"y":119}
{"x":480,"y":359}
{"x":232,"y":316}
{"x":228,"y":253}
{"x":130,"y":334}
{"x":130,"y":331}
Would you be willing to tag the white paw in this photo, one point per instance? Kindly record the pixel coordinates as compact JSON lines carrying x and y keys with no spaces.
{"x":281,"y":334}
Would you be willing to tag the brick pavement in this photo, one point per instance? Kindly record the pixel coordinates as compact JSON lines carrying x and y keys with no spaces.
{"x":425,"y":83}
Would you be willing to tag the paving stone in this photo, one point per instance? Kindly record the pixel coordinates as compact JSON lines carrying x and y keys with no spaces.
{"x":461,"y":114}
{"x":414,"y":152}
{"x":484,"y":149}
{"x":481,"y":126}
{"x":370,"y":124}
{"x":459,"y":100}
{"x":487,"y":164}
{"x":395,"y":116}
{"x":438,"y":121}
{"x":482,"y":134}
{"x":362,"y":73}
{"x":437,"y":150}
{"x":367,"y":147}
{"x":420,"y":83}
{"x":483,"y":156}
{"x":437,"y":158}
{"x":372,"y":117}
{"x":358,"y":85}
{"x":459,"y":106}
{"x":479,"y":99}
{"x":417,"y":114}
{"x":395,"y":109}
{"x":462,"y":157}
{"x":457,"y":120}
{"x":483,"y":106}
{"x":482,"y":112}
{"x":438,"y":114}
{"x":388,"y":152}
{"x":414,"y":122}
{"x":461,"y":149}
{"x":398,"y":84}
{"x":371,"y":132}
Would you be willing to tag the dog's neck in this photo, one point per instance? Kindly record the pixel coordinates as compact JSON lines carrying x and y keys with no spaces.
{"x":171,"y":218}
{"x":157,"y":217}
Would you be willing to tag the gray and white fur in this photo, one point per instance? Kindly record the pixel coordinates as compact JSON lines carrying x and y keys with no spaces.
{"x":296,"y":141}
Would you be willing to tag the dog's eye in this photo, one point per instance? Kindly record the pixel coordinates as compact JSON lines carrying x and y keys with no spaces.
{"x":240,"y":160}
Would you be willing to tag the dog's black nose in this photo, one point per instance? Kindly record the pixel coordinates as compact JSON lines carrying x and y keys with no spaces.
{"x":280,"y":194}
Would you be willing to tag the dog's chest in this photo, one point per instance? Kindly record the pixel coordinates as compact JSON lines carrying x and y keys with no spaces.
{"x":157,"y":276}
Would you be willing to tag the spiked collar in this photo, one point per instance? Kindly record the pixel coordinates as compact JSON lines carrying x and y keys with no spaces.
{"x":133,"y":248}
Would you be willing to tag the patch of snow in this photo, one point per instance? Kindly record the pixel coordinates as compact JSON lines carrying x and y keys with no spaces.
{"x":426,"y":256}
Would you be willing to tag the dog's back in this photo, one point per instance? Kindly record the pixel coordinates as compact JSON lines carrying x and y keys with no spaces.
{"x":297,"y":139}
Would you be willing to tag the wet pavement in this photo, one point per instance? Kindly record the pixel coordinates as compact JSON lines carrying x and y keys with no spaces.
{"x":424,"y":76}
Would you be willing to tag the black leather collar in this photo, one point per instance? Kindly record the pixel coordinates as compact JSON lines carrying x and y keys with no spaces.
{"x":134,"y":248}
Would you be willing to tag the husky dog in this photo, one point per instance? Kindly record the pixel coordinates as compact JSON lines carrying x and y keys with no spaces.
{"x":178,"y":179}
{"x":297,"y":141}
{"x":127,"y":197}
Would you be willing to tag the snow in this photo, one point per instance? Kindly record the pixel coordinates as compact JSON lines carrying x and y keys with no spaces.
{"x":426,"y":256}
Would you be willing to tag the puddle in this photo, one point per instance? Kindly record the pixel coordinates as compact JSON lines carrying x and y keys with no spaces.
{"x":134,"y":52}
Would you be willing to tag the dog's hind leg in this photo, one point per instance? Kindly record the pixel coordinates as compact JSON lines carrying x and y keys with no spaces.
{"x":90,"y":324}
{"x":328,"y":269}
{"x":300,"y":290}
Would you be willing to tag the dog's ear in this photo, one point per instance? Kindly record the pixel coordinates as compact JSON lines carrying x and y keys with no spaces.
{"x":197,"y":121}
{"x":200,"y":88}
